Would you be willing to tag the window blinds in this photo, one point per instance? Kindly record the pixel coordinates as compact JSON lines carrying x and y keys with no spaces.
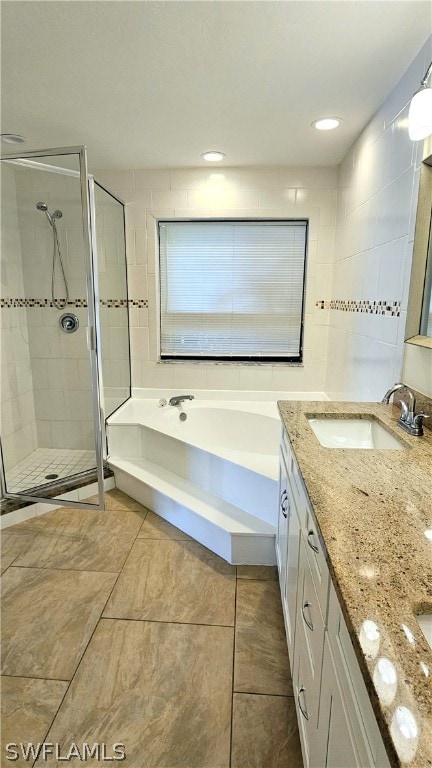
{"x":232,"y":290}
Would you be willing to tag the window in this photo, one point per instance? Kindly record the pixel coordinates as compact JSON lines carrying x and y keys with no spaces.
{"x":232,"y":290}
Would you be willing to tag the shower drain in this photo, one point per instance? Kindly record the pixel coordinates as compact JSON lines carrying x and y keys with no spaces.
{"x":51,"y":477}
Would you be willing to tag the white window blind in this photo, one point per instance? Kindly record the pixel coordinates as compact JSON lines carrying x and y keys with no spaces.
{"x":232,"y":290}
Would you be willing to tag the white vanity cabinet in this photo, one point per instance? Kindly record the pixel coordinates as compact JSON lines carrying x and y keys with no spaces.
{"x":337,"y":725}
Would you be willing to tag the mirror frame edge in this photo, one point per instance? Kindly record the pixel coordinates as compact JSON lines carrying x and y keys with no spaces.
{"x":420,"y":253}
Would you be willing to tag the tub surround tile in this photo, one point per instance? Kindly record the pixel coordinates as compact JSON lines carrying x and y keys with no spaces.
{"x":265,"y":732}
{"x":155,"y":527}
{"x":258,"y":572}
{"x":261,"y":657}
{"x":12,"y":545}
{"x":373,"y":514}
{"x":39,"y":607}
{"x":28,"y":707}
{"x":164,"y":690}
{"x":178,"y":581}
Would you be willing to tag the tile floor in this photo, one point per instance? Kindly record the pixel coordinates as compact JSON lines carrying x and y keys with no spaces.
{"x":119,"y":628}
{"x":32,"y":471}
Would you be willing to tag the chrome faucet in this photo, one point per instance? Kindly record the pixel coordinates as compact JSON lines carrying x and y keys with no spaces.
{"x":179,"y":399}
{"x":408,"y":420}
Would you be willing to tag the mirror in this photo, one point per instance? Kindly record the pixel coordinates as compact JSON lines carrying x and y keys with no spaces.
{"x":419,"y":318}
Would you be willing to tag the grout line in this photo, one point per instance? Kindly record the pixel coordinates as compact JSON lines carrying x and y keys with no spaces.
{"x":168,"y":621}
{"x":257,"y":693}
{"x":270,"y":695}
{"x":35,"y":677}
{"x":233,"y":670}
{"x":88,"y":643}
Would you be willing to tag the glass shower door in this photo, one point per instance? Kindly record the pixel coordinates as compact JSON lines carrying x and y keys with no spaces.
{"x":51,"y":393}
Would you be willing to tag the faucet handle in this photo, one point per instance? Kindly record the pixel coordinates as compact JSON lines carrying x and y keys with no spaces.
{"x":419,"y":418}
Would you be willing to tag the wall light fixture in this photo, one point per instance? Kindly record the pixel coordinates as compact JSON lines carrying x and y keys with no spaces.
{"x":420,"y":111}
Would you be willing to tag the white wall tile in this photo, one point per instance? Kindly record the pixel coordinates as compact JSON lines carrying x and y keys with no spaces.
{"x":112,"y":180}
{"x":373,"y":246}
{"x":154,"y":180}
{"x":172,"y":199}
{"x":188,"y":178}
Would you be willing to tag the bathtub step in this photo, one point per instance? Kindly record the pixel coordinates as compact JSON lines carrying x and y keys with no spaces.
{"x":227,"y":530}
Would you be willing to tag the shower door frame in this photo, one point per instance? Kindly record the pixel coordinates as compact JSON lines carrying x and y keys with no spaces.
{"x":93,"y":328}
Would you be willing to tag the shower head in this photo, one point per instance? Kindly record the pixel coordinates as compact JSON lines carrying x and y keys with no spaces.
{"x":43,"y":207}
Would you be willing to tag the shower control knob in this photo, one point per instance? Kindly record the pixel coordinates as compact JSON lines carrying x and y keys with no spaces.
{"x":69,"y":322}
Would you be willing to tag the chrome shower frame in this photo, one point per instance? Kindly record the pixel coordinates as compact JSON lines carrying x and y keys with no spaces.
{"x":93,"y":329}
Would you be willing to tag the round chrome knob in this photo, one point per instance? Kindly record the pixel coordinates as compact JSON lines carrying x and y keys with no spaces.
{"x":69,"y":322}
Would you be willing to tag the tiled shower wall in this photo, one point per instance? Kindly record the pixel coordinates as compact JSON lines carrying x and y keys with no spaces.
{"x":18,"y":422}
{"x":59,"y":361}
{"x":377,"y":198}
{"x":226,"y":192}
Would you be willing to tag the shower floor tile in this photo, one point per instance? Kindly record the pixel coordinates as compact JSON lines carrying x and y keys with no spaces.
{"x":33,"y":470}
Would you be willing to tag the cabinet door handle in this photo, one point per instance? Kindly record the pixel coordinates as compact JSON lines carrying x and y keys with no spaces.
{"x":307,"y":621}
{"x":285,"y":504}
{"x":311,"y":544}
{"x":303,"y":711}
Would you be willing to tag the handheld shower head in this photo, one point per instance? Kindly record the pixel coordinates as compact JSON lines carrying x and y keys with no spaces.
{"x":43,"y":207}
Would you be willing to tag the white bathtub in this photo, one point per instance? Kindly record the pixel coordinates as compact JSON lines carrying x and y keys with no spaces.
{"x":214,"y":475}
{"x":231,"y":425}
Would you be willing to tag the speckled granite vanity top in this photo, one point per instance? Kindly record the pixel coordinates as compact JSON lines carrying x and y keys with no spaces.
{"x":374,"y":512}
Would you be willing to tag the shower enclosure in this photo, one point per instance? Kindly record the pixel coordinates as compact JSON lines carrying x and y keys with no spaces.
{"x":65,"y":361}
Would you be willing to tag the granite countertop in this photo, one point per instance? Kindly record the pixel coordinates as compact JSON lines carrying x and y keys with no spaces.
{"x":374,"y":513}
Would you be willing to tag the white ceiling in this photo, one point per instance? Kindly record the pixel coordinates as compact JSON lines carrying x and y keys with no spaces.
{"x":154,"y":84}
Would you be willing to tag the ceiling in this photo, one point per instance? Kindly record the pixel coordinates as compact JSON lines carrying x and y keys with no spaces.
{"x":155,"y":84}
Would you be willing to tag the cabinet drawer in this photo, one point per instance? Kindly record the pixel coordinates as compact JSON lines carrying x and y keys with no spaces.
{"x":306,"y":703}
{"x":319,"y":568}
{"x":309,"y":637}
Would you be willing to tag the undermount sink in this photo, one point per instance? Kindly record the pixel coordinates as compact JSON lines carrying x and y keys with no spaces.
{"x":425,"y":622}
{"x":365,"y":434}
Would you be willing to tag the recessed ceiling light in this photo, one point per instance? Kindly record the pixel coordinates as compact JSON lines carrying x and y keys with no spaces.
{"x":12,"y":138}
{"x":213,"y":157}
{"x":327,"y":123}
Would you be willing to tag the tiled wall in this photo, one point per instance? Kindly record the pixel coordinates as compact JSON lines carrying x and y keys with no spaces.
{"x":226,"y":192}
{"x":378,"y":186}
{"x":59,"y":361}
{"x":18,"y":423}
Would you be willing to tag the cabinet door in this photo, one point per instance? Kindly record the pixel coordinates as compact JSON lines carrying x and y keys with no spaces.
{"x":292,"y":576}
{"x":282,"y":534}
{"x":335,"y":735}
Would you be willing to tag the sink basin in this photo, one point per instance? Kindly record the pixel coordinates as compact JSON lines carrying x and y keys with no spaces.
{"x":425,"y":622}
{"x":365,"y":434}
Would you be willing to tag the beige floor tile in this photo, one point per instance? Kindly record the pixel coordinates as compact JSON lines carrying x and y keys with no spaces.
{"x":163,"y":690}
{"x":174,"y":581}
{"x":116,"y":499}
{"x":261,"y":656}
{"x":48,"y":618}
{"x":28,"y":708}
{"x":13,"y":545}
{"x":265,"y":732}
{"x":257,"y":572}
{"x":155,"y":527}
{"x":83,"y":540}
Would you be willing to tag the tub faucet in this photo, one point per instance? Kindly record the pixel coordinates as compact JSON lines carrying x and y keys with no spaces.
{"x":179,"y":399}
{"x":409,"y":420}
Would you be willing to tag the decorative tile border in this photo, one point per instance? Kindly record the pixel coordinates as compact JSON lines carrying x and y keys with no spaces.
{"x":110,"y":303}
{"x":386,"y":308}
